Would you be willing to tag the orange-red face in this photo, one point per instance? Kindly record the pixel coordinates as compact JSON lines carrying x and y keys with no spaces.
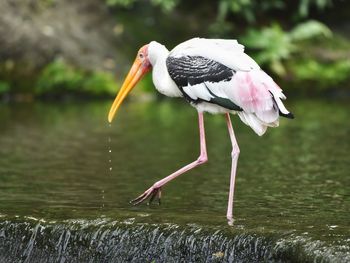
{"x":139,"y":68}
{"x":142,"y":56}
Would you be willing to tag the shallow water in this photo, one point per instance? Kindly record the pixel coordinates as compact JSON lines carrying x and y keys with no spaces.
{"x":63,"y":164}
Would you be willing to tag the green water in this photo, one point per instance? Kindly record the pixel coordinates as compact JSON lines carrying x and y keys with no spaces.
{"x":64,"y":162}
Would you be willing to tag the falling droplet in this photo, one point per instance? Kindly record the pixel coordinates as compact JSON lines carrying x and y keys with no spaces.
{"x":110,"y":151}
{"x":102,"y":197}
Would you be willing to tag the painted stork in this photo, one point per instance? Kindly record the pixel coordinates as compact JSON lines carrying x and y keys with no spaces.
{"x":215,"y":76}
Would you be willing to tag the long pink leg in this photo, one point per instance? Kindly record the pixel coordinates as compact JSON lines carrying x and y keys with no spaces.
{"x":234,"y":154}
{"x":155,"y":190}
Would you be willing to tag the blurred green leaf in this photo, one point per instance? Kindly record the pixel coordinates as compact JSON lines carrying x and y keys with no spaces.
{"x":100,"y":83}
{"x":309,"y":30}
{"x":272,"y":46}
{"x":324,"y":74}
{"x":166,"y":5}
{"x":4,"y":87}
{"x":273,"y":42}
{"x":305,"y":5}
{"x":60,"y":77}
{"x":124,"y":3}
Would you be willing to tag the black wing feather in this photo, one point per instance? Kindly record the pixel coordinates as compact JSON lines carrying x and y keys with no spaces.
{"x":196,"y":69}
{"x":192,"y":70}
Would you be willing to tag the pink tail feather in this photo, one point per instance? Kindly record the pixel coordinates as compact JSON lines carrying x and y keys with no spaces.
{"x":260,"y":98}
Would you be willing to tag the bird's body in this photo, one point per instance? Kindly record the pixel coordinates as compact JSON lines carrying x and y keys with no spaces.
{"x":215,"y":76}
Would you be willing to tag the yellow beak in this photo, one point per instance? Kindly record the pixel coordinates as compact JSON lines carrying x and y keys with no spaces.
{"x":135,"y":74}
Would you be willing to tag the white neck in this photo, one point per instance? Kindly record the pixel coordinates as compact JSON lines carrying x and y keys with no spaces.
{"x":157,"y":55}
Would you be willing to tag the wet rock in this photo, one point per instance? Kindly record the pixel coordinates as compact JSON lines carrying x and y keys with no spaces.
{"x":102,"y":240}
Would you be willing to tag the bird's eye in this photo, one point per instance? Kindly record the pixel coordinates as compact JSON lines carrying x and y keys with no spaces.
{"x":140,"y":55}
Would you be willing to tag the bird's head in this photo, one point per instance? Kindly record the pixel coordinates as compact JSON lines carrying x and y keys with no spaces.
{"x":140,"y":67}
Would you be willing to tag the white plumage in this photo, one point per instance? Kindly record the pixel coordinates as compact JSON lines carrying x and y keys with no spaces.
{"x":250,"y":88}
{"x":228,"y":52}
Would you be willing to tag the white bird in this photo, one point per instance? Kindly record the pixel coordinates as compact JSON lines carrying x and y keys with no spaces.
{"x":216,"y":76}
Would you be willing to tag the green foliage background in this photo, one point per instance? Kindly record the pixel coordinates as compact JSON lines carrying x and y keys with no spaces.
{"x":292,"y":40}
{"x":286,"y":38}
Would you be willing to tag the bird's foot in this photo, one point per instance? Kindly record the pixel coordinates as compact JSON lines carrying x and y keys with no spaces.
{"x":230,"y":220}
{"x":151,"y":193}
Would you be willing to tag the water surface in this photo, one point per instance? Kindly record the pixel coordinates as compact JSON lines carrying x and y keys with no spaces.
{"x":61,"y":163}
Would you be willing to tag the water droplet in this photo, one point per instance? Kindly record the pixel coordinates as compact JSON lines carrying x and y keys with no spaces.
{"x":110,"y":151}
{"x":110,"y":168}
{"x":110,"y":160}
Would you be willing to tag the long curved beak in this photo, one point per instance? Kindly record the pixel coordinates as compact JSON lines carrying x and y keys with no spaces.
{"x":135,"y":74}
